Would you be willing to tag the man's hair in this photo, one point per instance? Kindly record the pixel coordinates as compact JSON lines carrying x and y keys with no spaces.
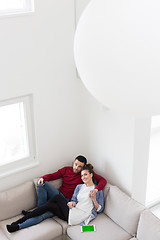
{"x":81,"y":159}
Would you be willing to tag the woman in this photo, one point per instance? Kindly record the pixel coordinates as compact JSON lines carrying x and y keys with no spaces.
{"x":82,"y":208}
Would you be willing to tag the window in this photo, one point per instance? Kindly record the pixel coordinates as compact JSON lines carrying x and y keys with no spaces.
{"x":8,"y":7}
{"x":13,"y":137}
{"x":17,"y":149}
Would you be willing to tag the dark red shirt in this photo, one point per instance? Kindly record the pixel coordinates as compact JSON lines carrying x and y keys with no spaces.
{"x":71,"y":180}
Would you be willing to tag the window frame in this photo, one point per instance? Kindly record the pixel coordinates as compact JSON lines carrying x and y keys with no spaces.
{"x":26,"y":162}
{"x":29,"y":9}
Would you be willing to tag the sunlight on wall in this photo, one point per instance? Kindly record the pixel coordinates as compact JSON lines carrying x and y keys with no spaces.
{"x":153,"y":180}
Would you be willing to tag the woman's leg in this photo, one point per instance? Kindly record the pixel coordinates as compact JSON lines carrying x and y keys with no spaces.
{"x":62,"y":204}
{"x":57,"y":206}
{"x":32,"y":218}
{"x":35,"y":220}
{"x":36,"y":212}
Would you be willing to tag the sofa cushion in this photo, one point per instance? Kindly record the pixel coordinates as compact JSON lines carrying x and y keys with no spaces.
{"x":46,"y":230}
{"x":148,"y":227}
{"x":123,"y":210}
{"x":2,"y":236}
{"x":105,"y":229}
{"x":63,"y":223}
{"x":14,"y":200}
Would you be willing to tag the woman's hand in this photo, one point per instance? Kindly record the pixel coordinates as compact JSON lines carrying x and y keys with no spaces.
{"x":92,"y":194}
{"x":71,"y":204}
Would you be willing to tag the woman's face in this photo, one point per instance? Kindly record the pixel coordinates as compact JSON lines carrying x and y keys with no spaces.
{"x":86,"y":176}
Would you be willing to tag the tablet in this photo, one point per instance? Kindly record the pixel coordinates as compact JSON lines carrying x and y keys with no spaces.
{"x":89,"y":228}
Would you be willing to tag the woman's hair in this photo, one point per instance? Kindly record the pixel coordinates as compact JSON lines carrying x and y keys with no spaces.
{"x":89,"y":167}
{"x":81,"y":159}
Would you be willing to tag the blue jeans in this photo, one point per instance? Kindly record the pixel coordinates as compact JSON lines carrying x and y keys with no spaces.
{"x":35,"y":220}
{"x":45,"y":192}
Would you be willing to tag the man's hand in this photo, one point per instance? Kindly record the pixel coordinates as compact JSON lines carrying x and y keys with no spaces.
{"x":71,"y":204}
{"x":41,"y":181}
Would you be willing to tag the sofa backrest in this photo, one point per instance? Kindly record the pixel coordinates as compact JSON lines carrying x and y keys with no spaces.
{"x":123,"y":210}
{"x":105,"y":190}
{"x":14,"y":200}
{"x":148,"y":227}
{"x":56,"y":183}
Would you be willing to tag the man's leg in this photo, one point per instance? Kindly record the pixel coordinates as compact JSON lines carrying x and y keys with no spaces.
{"x":45,"y":192}
{"x":35,"y":220}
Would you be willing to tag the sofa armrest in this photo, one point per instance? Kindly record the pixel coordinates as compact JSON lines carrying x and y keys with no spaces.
{"x":123,"y":210}
{"x":148,"y":227}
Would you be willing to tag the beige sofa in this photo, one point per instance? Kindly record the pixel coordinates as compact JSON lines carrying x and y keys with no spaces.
{"x":122,"y":219}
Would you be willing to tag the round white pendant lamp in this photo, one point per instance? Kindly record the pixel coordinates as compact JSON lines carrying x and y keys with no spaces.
{"x":117,"y":54}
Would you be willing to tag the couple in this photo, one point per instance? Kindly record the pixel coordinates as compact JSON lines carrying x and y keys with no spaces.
{"x":81,"y":208}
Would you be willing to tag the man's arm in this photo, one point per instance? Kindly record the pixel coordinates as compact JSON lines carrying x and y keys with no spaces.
{"x":52,"y":176}
{"x":101,"y":182}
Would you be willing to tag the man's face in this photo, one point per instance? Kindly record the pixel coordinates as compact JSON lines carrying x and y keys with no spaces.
{"x":77,"y":166}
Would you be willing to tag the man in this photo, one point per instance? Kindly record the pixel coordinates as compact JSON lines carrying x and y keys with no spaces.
{"x":58,"y":205}
{"x":71,"y":178}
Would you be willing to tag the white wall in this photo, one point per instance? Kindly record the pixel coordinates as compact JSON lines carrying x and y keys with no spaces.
{"x":153,"y":178}
{"x":110,"y":136}
{"x":36,"y":57}
{"x":119,"y":143}
{"x":110,"y":143}
{"x":141,"y":157}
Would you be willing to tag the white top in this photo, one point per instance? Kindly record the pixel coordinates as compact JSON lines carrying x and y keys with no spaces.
{"x":83,"y":209}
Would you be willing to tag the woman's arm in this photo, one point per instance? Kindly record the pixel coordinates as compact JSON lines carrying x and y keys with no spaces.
{"x":74,"y":201}
{"x":98,"y":200}
{"x":96,"y":204}
{"x":71,"y":204}
{"x":76,"y":191}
